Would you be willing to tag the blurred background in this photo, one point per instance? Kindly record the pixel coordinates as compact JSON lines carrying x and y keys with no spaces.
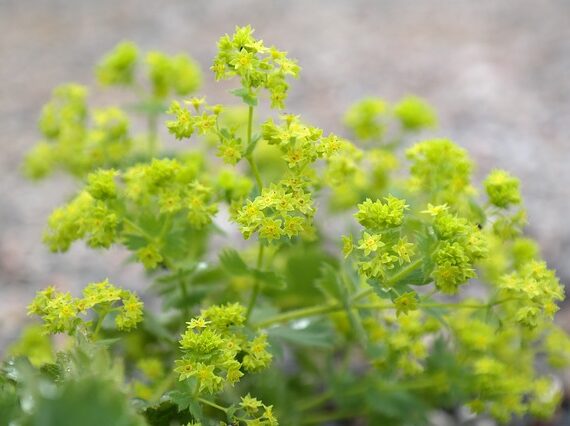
{"x":497,"y":71}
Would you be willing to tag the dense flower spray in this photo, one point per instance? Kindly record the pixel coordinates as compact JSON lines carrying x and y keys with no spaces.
{"x":369,"y":285}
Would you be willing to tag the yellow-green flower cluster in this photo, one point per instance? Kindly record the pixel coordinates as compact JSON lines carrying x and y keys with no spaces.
{"x":415,"y":114}
{"x":61,"y":311}
{"x":173,"y":186}
{"x":500,"y":366}
{"x":63,"y":123}
{"x":557,"y":347}
{"x":177,"y":74}
{"x":366,"y":118}
{"x":300,"y":144}
{"x":70,"y":144}
{"x":257,"y":66}
{"x":378,"y":215}
{"x":115,"y":206}
{"x":255,"y":412}
{"x":502,"y":188}
{"x":344,"y":168}
{"x":536,"y":290}
{"x":205,"y":121}
{"x":65,"y":113}
{"x":217,"y":350}
{"x":369,"y":118}
{"x":108,"y":141}
{"x":233,"y":186}
{"x":83,"y":218}
{"x":354,"y":174}
{"x":383,"y":243}
{"x":118,"y":66}
{"x":101,"y":184}
{"x":460,"y":245}
{"x":283,"y":209}
{"x":441,"y":170}
{"x":404,"y":339}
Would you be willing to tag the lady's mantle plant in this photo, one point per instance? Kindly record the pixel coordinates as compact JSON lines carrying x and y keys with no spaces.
{"x":362,"y":292}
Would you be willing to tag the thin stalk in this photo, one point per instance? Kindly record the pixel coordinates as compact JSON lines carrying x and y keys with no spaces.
{"x":255,"y":172}
{"x":300,"y":313}
{"x":336,"y":307}
{"x":213,"y":404}
{"x":256,"y":284}
{"x":138,"y":229}
{"x":99,"y":324}
{"x":249,"y":157}
{"x":313,"y":402}
{"x":402,"y":273}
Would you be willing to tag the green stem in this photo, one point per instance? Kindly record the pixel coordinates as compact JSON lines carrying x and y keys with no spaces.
{"x":249,"y":157}
{"x":313,"y":402}
{"x":300,"y":313}
{"x":165,"y":226}
{"x":99,"y":324}
{"x":213,"y":404}
{"x":256,"y":284}
{"x":336,"y":307}
{"x":138,"y":229}
{"x":255,"y":172}
{"x":402,"y":273}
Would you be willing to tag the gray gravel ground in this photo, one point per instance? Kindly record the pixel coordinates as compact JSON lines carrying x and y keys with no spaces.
{"x":497,"y":70}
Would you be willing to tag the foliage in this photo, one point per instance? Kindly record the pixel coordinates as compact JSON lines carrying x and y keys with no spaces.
{"x":429,"y":298}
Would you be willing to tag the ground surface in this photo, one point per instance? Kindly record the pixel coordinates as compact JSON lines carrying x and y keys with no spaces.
{"x":498,"y":72}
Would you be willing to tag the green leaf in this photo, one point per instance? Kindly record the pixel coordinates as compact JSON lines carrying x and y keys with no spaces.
{"x":153,"y":326}
{"x":252,"y":145}
{"x":90,"y":402}
{"x":165,"y":414}
{"x":330,"y":286}
{"x":233,"y":263}
{"x":247,"y":97}
{"x":315,"y":334}
{"x":134,"y":242}
{"x":418,"y":277}
{"x":270,"y":278}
